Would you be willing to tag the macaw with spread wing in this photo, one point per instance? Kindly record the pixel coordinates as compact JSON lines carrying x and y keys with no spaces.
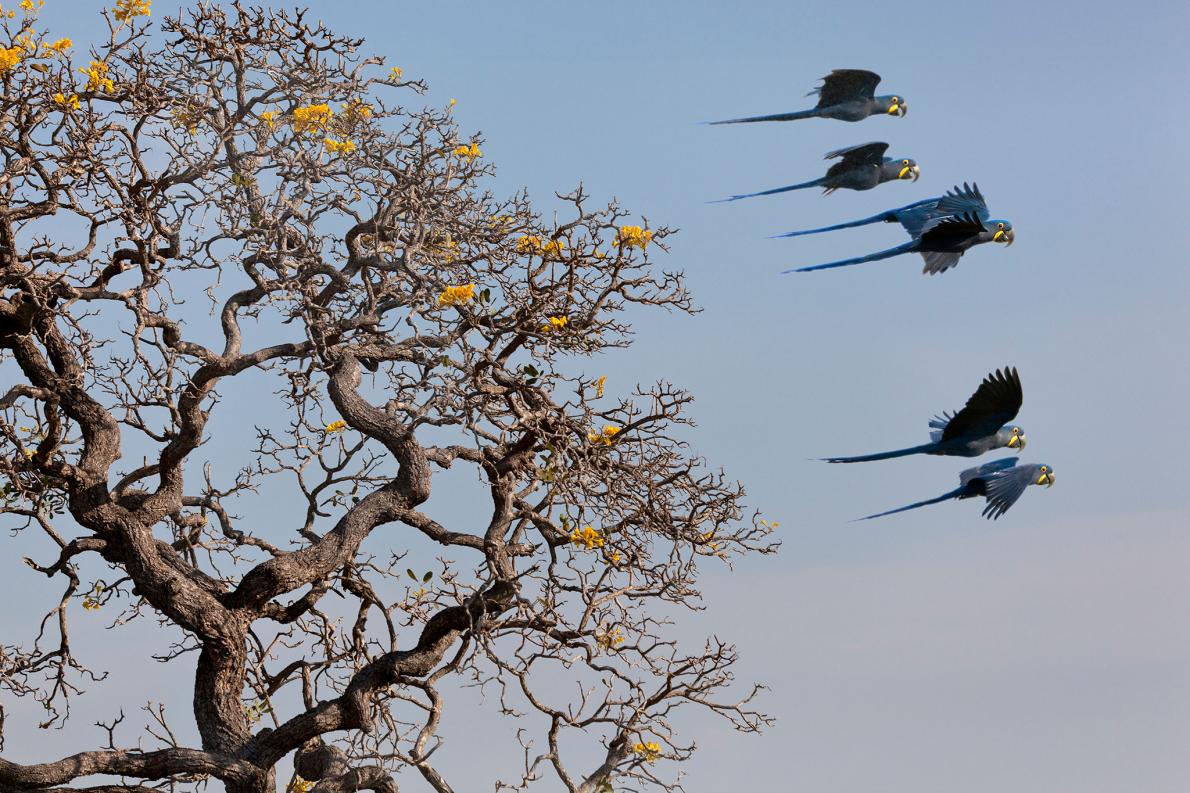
{"x":942,"y":230}
{"x":846,"y":95}
{"x":981,"y":426}
{"x":1001,"y":482}
{"x":860,"y":167}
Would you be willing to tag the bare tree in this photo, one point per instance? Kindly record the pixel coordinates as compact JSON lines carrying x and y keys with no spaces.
{"x":246,"y":173}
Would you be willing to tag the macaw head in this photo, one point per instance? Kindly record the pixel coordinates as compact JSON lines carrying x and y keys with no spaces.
{"x":1001,"y":231}
{"x":1045,"y":475}
{"x":894,"y":105}
{"x":900,"y":169}
{"x":1012,"y":436}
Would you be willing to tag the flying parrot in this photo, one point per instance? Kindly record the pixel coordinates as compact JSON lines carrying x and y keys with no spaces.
{"x":845,"y":94}
{"x":1001,"y":482}
{"x":942,"y":230}
{"x":981,"y":426}
{"x":860,"y":167}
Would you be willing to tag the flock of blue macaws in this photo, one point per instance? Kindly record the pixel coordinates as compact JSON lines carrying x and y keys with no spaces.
{"x":941,"y":229}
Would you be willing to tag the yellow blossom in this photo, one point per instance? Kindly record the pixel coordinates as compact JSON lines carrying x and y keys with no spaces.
{"x":9,"y":58}
{"x":126,"y":10}
{"x":599,"y":386}
{"x":397,"y":72}
{"x":588,"y":537}
{"x":357,"y":108}
{"x":457,"y":295}
{"x":97,"y":77}
{"x":335,"y":426}
{"x":467,"y":152}
{"x":612,"y":557}
{"x":610,"y":639}
{"x":299,"y":785}
{"x":339,"y":146}
{"x":607,"y":437}
{"x":452,"y":102}
{"x":649,"y":752}
{"x":555,"y":323}
{"x":633,"y":237}
{"x":312,"y":118}
{"x":528,"y":244}
{"x":269,"y":117}
{"x":60,"y":46}
{"x":91,"y":601}
{"x":29,"y":7}
{"x":69,"y":102}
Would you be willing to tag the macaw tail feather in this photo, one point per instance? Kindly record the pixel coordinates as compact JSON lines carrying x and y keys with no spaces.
{"x":812,"y":183}
{"x":944,"y":497}
{"x":884,"y":217}
{"x":908,"y":247}
{"x":925,"y":448}
{"x":800,"y":114}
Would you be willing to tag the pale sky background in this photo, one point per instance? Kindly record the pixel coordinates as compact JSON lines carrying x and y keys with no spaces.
{"x":924,"y":653}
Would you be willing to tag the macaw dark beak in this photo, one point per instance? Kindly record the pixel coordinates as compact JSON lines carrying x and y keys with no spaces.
{"x":1011,"y":236}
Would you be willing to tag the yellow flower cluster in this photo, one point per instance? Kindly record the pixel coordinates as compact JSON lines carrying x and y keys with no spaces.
{"x":467,"y":152}
{"x":607,"y":437}
{"x":29,"y":7}
{"x":555,"y":323}
{"x":91,"y":601}
{"x":69,"y":102}
{"x":9,"y":58}
{"x":649,"y":752}
{"x":126,"y":10}
{"x":335,"y":426}
{"x":269,"y":117}
{"x":531,"y":243}
{"x":299,"y":785}
{"x":633,"y":237}
{"x":599,"y":386}
{"x":587,"y":537}
{"x":357,"y":109}
{"x":610,"y":639}
{"x":312,"y":118}
{"x":97,"y":77}
{"x":457,"y":295}
{"x":339,"y":146}
{"x":397,"y":72}
{"x":58,"y":47}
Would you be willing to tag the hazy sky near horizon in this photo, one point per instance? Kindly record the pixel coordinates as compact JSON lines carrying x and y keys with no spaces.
{"x":934,"y":651}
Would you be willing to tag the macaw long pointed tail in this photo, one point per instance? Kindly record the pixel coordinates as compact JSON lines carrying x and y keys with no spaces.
{"x":812,"y":183}
{"x":908,"y":247}
{"x":889,"y":216}
{"x":800,"y":114}
{"x":944,"y":497}
{"x":925,"y":448}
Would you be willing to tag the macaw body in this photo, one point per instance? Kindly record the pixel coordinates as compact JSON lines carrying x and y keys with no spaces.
{"x":981,"y":426}
{"x":942,"y":230}
{"x":859,"y":168}
{"x":845,"y":95}
{"x":1000,"y":482}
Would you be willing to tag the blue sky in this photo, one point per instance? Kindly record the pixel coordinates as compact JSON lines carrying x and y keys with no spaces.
{"x":932,"y":651}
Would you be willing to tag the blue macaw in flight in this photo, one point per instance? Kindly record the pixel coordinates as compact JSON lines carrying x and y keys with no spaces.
{"x":860,"y":167}
{"x":981,"y":426}
{"x":846,"y":95}
{"x":943,"y":229}
{"x":1001,"y":482}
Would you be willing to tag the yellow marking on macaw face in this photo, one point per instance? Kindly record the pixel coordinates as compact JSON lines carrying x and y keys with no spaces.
{"x":1047,"y":477}
{"x":1014,"y":441}
{"x":904,"y":171}
{"x":894,"y":107}
{"x":996,"y":237}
